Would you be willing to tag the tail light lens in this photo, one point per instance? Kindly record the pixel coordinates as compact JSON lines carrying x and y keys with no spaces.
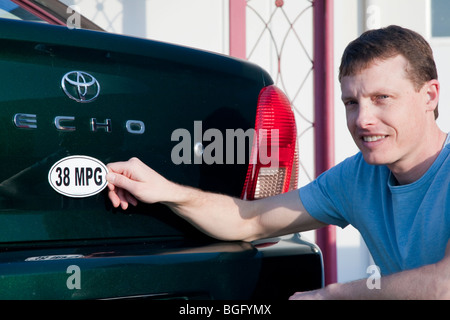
{"x":273,"y":166}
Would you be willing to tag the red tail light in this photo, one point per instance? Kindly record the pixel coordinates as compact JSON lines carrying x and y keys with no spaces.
{"x":273,"y":167}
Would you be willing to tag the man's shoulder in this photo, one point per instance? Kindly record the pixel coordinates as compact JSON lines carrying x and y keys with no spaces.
{"x":354,"y":173}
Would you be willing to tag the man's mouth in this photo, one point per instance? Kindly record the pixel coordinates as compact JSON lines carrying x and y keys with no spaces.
{"x":373,"y":138}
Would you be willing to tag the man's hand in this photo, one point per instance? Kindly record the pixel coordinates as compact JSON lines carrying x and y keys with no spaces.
{"x":320,"y":294}
{"x":132,"y":180}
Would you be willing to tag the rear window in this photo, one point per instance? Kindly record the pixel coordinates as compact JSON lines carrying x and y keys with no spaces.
{"x":10,"y":10}
{"x":52,"y":12}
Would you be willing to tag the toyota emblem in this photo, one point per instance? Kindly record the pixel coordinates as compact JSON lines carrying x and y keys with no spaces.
{"x":80,"y":86}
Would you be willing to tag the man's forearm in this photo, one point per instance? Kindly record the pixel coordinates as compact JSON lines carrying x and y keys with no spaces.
{"x":217,"y":215}
{"x":220,"y":216}
{"x":228,"y":218}
{"x":428,"y":282}
{"x":421,"y":283}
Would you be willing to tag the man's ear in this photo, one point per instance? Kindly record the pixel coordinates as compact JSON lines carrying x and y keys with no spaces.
{"x":432,"y":91}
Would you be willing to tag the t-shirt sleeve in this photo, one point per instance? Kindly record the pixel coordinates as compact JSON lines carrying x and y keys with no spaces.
{"x":328,"y":198}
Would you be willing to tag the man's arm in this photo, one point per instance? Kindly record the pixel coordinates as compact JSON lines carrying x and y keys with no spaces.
{"x":217,"y":215}
{"x":428,"y":282}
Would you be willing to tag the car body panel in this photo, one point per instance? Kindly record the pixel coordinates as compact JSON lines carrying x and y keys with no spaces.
{"x":150,"y":87}
{"x":161,"y":269}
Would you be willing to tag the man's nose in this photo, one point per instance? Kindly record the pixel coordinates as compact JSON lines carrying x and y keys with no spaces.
{"x":366,"y":116}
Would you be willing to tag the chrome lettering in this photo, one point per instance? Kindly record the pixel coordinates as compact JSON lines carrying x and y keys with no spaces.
{"x":107,"y":126}
{"x":135,"y":126}
{"x":25,"y":121}
{"x":61,"y":127}
{"x":62,"y":123}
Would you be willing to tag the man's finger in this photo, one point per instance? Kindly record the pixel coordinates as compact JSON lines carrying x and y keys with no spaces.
{"x":123,"y":199}
{"x":114,"y":198}
{"x":120,"y":181}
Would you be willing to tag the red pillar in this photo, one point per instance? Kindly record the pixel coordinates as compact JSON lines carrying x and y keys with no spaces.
{"x":324,"y":118}
{"x":237,"y":28}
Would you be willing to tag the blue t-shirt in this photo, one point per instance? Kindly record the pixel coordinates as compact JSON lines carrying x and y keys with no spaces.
{"x":404,"y":227}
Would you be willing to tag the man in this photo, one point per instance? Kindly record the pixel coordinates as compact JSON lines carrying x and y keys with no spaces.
{"x":395,"y":191}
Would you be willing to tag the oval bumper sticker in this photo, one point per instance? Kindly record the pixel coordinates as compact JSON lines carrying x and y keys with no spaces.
{"x":78,"y":176}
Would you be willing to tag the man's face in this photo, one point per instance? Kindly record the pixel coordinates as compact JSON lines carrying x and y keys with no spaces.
{"x":385,"y":113}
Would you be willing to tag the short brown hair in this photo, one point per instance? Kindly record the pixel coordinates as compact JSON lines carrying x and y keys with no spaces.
{"x":387,"y":43}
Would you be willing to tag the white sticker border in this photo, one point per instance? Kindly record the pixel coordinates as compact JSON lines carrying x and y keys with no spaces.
{"x":100,"y":163}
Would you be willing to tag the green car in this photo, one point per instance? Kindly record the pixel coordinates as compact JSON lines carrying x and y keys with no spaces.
{"x":74,"y":100}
